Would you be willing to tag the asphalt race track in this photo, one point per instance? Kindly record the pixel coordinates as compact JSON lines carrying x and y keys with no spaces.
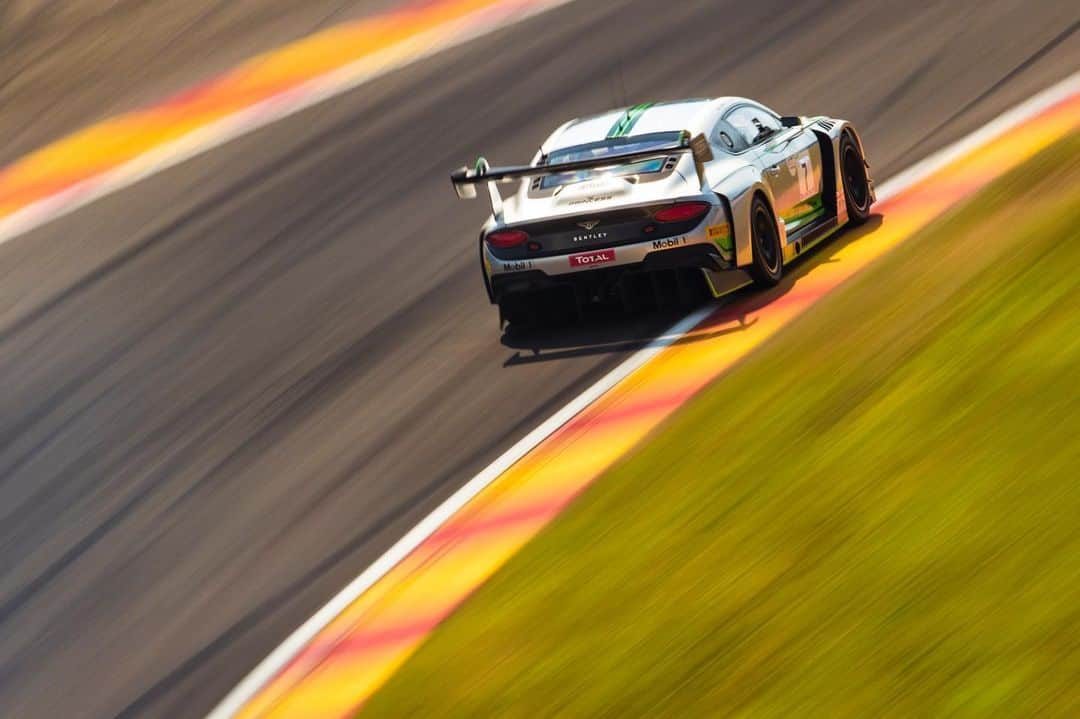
{"x":229,"y":388}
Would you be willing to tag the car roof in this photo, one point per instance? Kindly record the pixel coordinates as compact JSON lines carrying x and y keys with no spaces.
{"x":692,"y":115}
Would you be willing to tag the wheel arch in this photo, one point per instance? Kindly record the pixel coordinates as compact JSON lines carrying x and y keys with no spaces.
{"x":829,"y":132}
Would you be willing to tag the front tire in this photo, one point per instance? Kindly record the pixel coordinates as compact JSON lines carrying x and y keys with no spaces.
{"x":856,"y":183}
{"x":768,"y":257}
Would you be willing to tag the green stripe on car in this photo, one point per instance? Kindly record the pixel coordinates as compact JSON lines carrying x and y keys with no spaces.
{"x":625,"y":124}
{"x":803,"y":213}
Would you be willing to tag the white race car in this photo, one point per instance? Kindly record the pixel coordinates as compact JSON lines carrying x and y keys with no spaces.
{"x":665,"y":203}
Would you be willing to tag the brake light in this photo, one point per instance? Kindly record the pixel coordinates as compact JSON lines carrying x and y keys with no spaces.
{"x":682,"y":212}
{"x":504,"y":239}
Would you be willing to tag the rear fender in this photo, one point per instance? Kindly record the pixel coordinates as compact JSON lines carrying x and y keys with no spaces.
{"x":485,"y":266}
{"x":739,"y":189}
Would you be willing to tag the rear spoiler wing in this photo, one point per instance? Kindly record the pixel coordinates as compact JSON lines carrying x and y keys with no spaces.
{"x":465,"y":180}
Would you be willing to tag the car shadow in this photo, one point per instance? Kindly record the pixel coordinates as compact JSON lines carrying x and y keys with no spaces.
{"x":616,"y":335}
{"x":613,"y":331}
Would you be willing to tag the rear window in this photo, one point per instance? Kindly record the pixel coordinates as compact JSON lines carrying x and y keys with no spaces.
{"x":604,"y":148}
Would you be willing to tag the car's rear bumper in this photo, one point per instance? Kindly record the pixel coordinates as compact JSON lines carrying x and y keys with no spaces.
{"x":690,"y":251}
{"x":535,"y":279}
{"x":662,"y":279}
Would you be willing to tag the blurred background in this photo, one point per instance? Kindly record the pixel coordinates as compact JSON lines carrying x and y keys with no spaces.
{"x":227,"y":388}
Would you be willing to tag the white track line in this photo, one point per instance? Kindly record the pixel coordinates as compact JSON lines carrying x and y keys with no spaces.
{"x":291,"y":647}
{"x":289,"y":102}
{"x":995,"y":128}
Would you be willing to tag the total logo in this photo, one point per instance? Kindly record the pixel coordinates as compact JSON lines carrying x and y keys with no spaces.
{"x":589,"y":259}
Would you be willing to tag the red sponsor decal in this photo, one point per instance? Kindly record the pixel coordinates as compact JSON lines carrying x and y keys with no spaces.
{"x":588,"y":259}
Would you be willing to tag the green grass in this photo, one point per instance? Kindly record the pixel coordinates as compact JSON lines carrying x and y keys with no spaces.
{"x":876,"y":515}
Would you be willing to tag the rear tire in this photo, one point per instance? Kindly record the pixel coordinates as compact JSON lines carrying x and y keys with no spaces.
{"x":856,"y":183}
{"x":768,"y":257}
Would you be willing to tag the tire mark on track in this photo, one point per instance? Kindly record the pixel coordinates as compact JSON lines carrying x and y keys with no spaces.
{"x":297,"y":402}
{"x":399,"y":512}
{"x":888,"y":103}
{"x":1010,"y":76}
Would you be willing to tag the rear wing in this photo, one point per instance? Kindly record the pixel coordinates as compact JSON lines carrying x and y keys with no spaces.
{"x":465,"y":180}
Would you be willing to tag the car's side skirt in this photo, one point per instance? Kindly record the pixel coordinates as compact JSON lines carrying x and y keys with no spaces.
{"x":809,"y":237}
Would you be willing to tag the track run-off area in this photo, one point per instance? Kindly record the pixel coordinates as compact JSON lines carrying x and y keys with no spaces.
{"x":246,"y":356}
{"x":103,"y":158}
{"x":337,"y":661}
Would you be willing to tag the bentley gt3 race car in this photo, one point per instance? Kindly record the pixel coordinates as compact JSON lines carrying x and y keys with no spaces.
{"x":665,"y":203}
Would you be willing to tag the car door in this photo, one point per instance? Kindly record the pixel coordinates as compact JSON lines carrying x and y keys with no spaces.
{"x":790,"y":159}
{"x":796,"y":157}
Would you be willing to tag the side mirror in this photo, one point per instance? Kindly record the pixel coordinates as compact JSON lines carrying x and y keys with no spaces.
{"x":790,"y":121}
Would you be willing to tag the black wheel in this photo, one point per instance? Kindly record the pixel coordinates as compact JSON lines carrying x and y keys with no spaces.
{"x":856,"y":184}
{"x":768,"y":265}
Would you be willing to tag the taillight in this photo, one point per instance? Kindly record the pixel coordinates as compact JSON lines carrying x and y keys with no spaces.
{"x":682,"y":212}
{"x":504,"y":239}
